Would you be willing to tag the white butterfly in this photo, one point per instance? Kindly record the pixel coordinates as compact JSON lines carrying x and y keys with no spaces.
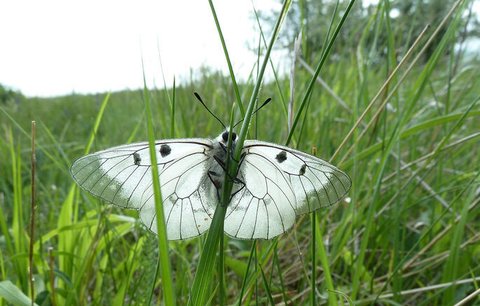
{"x":274,"y":184}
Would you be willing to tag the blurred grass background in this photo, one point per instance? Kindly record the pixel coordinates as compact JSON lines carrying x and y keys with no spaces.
{"x":408,"y":233}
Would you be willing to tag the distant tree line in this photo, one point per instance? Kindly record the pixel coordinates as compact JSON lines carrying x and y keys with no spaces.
{"x":9,"y":95}
{"x":407,"y":20}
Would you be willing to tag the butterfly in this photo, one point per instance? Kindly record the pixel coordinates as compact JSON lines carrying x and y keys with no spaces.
{"x":273,"y":184}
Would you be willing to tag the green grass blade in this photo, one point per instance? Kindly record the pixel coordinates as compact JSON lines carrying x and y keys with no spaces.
{"x":323,"y":257}
{"x":272,"y":66}
{"x":163,"y":253}
{"x":14,"y":295}
{"x":203,"y":276}
{"x":246,"y":122}
{"x":313,"y":260}
{"x":266,"y":286}
{"x":172,"y":111}
{"x":245,"y":277}
{"x":455,"y":258}
{"x":313,"y":79}
{"x":227,"y":58}
{"x":97,"y":123}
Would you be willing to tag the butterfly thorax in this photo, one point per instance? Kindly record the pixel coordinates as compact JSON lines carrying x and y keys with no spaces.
{"x":220,"y":151}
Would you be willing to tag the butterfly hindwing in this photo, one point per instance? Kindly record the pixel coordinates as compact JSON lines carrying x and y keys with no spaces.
{"x":280,"y":183}
{"x":122,"y":176}
{"x":265,"y":206}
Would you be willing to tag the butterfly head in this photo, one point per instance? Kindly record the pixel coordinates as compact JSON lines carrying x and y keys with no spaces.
{"x":223,"y":138}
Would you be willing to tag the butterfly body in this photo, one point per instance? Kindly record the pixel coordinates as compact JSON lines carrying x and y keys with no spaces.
{"x":219,"y":154}
{"x":273,"y":184}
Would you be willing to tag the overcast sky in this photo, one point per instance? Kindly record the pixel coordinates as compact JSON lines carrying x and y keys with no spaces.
{"x":58,"y":47}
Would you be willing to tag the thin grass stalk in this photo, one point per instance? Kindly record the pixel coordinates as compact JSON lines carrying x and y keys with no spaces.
{"x":244,"y":282}
{"x":419,"y":290}
{"x":221,"y":269}
{"x":21,"y":264}
{"x":69,"y":216}
{"x":65,"y":159}
{"x":163,"y":252}
{"x":423,"y":80}
{"x":204,"y":272}
{"x":296,"y":55}
{"x":325,"y":54}
{"x":429,"y":245}
{"x":313,"y":261}
{"x":8,"y":248}
{"x":359,"y":267}
{"x":51,"y":274}
{"x":172,"y":111}
{"x":227,"y":58}
{"x":272,"y":66}
{"x":136,"y":128}
{"x":256,"y":89}
{"x":451,"y":268}
{"x":276,"y":262}
{"x":266,"y":286}
{"x":96,"y":125}
{"x":433,"y":241}
{"x":468,"y":298}
{"x":291,"y":116}
{"x":323,"y":257}
{"x":87,"y":247}
{"x":256,"y":274}
{"x":381,"y":90}
{"x":399,"y":266}
{"x":221,"y":249}
{"x":271,"y":275}
{"x":32,"y":214}
{"x":397,"y":217}
{"x":426,"y":156}
{"x":265,"y":260}
{"x":171,"y":101}
{"x":27,"y":134}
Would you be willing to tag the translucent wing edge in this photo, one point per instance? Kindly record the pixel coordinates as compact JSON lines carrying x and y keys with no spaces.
{"x":340,"y":175}
{"x":129,"y":150}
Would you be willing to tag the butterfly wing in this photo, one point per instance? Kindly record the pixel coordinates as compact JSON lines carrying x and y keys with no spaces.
{"x":280,"y":183}
{"x":122,"y":176}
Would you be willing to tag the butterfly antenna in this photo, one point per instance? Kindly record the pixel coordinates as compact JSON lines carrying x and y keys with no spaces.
{"x":260,"y":107}
{"x":204,"y":105}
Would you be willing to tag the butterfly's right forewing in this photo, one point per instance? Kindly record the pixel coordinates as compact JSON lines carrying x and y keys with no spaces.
{"x":122,"y":176}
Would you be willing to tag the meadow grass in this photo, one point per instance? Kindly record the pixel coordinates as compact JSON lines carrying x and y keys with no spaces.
{"x":408,"y":138}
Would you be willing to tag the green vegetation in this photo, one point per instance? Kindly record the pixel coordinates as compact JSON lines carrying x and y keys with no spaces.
{"x":408,"y":233}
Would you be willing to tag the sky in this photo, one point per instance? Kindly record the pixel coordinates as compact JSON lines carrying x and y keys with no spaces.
{"x":56,"y":47}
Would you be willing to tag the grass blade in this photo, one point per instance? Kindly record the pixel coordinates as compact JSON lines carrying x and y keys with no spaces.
{"x":227,"y":57}
{"x":163,"y":253}
{"x":13,"y":294}
{"x":203,"y":276}
{"x":309,"y":89}
{"x":32,"y":214}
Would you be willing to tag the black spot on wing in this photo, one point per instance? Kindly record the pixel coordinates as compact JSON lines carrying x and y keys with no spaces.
{"x":281,"y":157}
{"x":165,"y":150}
{"x":302,"y":169}
{"x":136,"y":159}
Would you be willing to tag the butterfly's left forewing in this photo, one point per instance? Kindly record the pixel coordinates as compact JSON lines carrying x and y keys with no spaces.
{"x":315,"y":182}
{"x":122,"y":176}
{"x":280,"y":183}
